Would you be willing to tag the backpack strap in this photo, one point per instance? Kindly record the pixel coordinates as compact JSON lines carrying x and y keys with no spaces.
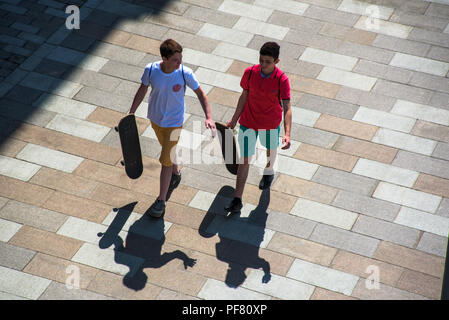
{"x":182,"y":69}
{"x":249,"y":77}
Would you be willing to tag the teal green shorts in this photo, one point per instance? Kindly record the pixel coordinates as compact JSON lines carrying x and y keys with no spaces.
{"x":247,"y":139}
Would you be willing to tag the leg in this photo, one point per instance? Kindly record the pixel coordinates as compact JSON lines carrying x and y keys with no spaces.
{"x":242,"y":175}
{"x":165,"y":177}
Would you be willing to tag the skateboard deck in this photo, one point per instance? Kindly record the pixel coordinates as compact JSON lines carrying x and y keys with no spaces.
{"x":228,"y":147}
{"x":129,"y":140}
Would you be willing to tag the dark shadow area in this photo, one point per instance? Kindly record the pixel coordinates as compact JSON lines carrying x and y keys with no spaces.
{"x":445,"y":285}
{"x":240,"y":237}
{"x":142,"y":247}
{"x":20,"y":102}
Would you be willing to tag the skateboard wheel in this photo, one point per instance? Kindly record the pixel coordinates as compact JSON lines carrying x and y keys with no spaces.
{"x":116,"y":129}
{"x":122,"y":163}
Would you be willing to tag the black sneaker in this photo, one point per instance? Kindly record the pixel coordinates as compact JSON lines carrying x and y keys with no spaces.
{"x":266,"y":181}
{"x":235,"y":206}
{"x":157,"y":209}
{"x":174,"y":183}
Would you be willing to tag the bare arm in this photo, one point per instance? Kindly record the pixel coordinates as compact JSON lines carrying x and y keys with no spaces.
{"x":286,"y":106}
{"x":238,"y":111}
{"x":138,"y":98}
{"x":206,"y":108}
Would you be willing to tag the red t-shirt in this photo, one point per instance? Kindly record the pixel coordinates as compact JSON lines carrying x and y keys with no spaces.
{"x":262,"y":109}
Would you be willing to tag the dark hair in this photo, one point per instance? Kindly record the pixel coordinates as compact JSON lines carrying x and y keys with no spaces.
{"x":270,"y":49}
{"x":169,"y":47}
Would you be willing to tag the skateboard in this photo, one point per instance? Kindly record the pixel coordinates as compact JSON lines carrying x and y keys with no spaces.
{"x":129,"y":140}
{"x":228,"y":147}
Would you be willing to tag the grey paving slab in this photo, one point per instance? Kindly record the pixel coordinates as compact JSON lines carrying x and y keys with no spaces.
{"x":430,"y":37}
{"x":278,"y":286}
{"x":401,"y":45}
{"x":443,"y":209}
{"x":14,"y":257}
{"x":59,"y":291}
{"x":366,"y":205}
{"x":211,"y":16}
{"x":320,"y":276}
{"x":141,"y":28}
{"x":122,"y":71}
{"x":440,"y":100}
{"x":386,"y":231}
{"x":422,"y":163}
{"x":33,"y":216}
{"x":313,"y":136}
{"x":328,"y":106}
{"x":304,"y":24}
{"x":402,"y":91}
{"x":290,"y":224}
{"x":382,"y":71}
{"x":344,"y":239}
{"x":438,"y":53}
{"x":330,"y":15}
{"x":384,"y":292}
{"x":104,"y":99}
{"x":441,"y":151}
{"x":433,"y":244}
{"x":431,"y":82}
{"x":345,"y":181}
{"x":22,"y":284}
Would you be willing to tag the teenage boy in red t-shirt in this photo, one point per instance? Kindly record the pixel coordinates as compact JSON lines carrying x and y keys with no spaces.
{"x":265,"y":97}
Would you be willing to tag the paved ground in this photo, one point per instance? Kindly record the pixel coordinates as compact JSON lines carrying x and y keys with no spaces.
{"x":363,"y":194}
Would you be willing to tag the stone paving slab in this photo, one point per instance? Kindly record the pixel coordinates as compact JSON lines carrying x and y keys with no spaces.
{"x":365,"y":183}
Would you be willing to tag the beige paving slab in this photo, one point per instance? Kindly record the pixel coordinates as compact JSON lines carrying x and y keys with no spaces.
{"x":421,"y":284}
{"x":33,"y":216}
{"x":363,"y":267}
{"x":346,"y":127}
{"x":384,"y":292}
{"x":24,"y":192}
{"x":77,"y":207}
{"x":325,"y":157}
{"x":410,"y":258}
{"x":324,"y":294}
{"x":45,"y":242}
{"x":303,"y":188}
{"x":432,"y":184}
{"x":365,"y":149}
{"x":431,"y":131}
{"x":313,"y":86}
{"x":110,"y":284}
{"x":11,"y":147}
{"x":58,"y":269}
{"x":302,"y":249}
{"x":173,"y":276}
{"x":64,"y":182}
{"x":143,"y":44}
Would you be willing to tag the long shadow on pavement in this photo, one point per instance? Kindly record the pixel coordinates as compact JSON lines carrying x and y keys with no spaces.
{"x":240,"y":237}
{"x":142,"y":248}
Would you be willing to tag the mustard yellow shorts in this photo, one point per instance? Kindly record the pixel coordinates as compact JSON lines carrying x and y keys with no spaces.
{"x":168,"y":138}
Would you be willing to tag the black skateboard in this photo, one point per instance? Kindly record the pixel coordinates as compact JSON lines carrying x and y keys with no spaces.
{"x":129,"y":139}
{"x":228,"y":147}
